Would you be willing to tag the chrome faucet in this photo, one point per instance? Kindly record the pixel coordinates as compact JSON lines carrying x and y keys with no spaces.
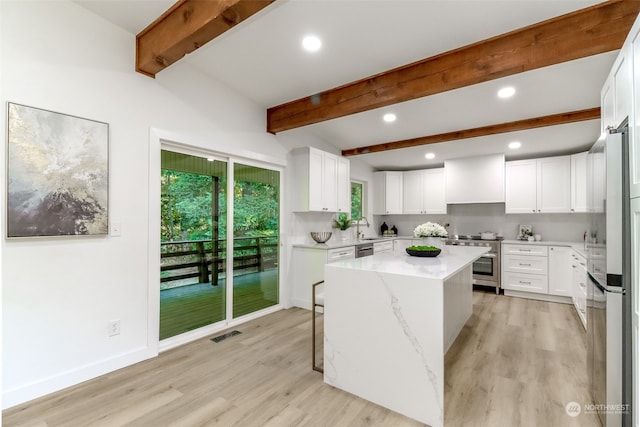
{"x":358,"y":226}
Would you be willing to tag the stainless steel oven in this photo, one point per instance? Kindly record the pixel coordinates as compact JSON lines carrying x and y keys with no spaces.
{"x":486,"y":270}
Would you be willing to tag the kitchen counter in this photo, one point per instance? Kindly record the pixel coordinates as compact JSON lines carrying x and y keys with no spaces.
{"x":451,"y":260}
{"x":389,"y":319}
{"x":334,"y":243}
{"x":578,"y":247}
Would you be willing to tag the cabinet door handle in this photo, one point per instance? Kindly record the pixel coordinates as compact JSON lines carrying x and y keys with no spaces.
{"x":525,"y":265}
{"x":524,"y":283}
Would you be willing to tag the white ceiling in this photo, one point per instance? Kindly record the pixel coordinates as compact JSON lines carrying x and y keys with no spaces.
{"x":262,"y":59}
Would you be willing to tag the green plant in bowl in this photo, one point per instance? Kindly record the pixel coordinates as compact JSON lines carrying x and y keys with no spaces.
{"x":423,"y":248}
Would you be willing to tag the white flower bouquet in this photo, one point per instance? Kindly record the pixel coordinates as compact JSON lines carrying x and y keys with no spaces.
{"x":430,"y":229}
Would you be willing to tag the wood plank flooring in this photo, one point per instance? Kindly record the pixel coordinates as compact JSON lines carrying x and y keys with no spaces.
{"x":516,"y":363}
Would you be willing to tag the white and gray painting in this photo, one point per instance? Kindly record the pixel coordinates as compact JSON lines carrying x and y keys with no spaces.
{"x":57,"y":174}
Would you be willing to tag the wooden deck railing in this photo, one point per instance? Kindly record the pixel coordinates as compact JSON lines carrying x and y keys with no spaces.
{"x":201,"y":258}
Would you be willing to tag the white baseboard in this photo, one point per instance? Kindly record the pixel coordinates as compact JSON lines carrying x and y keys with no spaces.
{"x":540,"y":297}
{"x":27,"y":392}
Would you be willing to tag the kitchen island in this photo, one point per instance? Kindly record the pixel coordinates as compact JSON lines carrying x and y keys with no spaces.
{"x":389,"y":320}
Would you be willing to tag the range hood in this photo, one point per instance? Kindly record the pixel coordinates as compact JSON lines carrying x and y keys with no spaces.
{"x":475,"y":179}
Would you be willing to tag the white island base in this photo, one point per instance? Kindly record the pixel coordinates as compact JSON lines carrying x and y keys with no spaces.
{"x":389,"y":320}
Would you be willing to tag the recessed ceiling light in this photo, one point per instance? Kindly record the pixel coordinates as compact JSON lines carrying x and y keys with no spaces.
{"x":514,"y":145}
{"x":506,"y":92}
{"x":429,"y":156}
{"x":311,"y":43}
{"x":389,"y":117}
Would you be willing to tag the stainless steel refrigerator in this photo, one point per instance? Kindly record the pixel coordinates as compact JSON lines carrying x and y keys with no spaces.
{"x":609,"y":270}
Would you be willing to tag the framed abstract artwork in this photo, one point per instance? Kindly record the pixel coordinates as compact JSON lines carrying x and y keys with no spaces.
{"x":57,"y":174}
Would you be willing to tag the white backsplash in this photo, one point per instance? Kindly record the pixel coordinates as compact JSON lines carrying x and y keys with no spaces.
{"x":306,"y":222}
{"x":475,"y":218}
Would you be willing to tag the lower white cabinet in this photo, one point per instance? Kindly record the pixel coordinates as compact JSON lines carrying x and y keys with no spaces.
{"x":579,"y":285}
{"x":399,"y":245}
{"x":560,"y":271}
{"x":547,"y":272}
{"x":308,"y":268}
{"x":380,"y":247}
{"x":524,"y":268}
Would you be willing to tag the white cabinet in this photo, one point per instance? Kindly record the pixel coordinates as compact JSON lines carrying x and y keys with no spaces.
{"x":424,"y":192}
{"x":344,"y":185}
{"x":579,"y":182}
{"x":388,"y":187}
{"x":521,"y":186}
{"x":380,"y":247}
{"x":400,"y":245}
{"x":524,"y":268}
{"x":320,"y":181}
{"x":307,"y":267}
{"x":621,"y":73}
{"x":607,"y":115}
{"x":560,"y":271}
{"x":579,"y":285}
{"x":538,"y":185}
{"x":634,"y":124}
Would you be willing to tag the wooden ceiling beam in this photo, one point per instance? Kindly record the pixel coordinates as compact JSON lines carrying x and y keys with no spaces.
{"x":536,"y":122}
{"x":185,"y":27}
{"x":594,"y":30}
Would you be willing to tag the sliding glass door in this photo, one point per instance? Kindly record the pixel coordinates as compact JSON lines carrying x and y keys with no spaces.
{"x":193,"y":232}
{"x":256,"y":225}
{"x":196,"y":289}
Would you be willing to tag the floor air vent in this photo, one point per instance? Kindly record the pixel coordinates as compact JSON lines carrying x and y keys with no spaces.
{"x":225,"y":336}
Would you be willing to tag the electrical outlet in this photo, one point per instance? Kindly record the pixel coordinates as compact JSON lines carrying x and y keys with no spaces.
{"x":114,"y":328}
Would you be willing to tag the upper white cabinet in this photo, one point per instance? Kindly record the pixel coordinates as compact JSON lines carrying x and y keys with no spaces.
{"x":344,"y":185}
{"x":388,"y":192}
{"x":621,"y":87}
{"x":521,"y":186}
{"x":634,"y":125}
{"x":475,"y":179}
{"x":579,"y":182}
{"x":424,"y":192}
{"x":320,"y":180}
{"x":538,"y":185}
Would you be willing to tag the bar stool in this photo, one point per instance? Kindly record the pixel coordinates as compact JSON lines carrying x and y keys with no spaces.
{"x":317,"y":300}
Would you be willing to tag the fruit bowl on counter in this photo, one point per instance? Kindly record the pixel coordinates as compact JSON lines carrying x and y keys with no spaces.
{"x":321,"y":236}
{"x":423,"y":251}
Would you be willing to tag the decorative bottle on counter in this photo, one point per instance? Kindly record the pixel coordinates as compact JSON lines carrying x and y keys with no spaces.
{"x":384,"y":227}
{"x":395,"y":230}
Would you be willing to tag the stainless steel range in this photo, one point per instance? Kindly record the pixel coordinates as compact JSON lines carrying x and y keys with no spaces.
{"x":486,"y":270}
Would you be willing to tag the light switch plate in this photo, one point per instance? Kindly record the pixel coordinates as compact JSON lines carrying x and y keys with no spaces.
{"x":115,"y":229}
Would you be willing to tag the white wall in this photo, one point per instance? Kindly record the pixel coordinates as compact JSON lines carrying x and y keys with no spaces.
{"x":59,"y":294}
{"x":475,"y":218}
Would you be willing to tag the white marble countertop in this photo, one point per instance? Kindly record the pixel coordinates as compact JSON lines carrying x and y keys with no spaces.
{"x":334,"y":243}
{"x":449,"y":262}
{"x":579,"y":247}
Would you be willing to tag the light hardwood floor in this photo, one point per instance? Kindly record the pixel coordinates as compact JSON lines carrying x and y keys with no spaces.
{"x":516,"y":363}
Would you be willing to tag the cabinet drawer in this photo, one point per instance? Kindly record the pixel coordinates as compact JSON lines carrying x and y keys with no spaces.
{"x":379,"y":247}
{"x":525,"y":282}
{"x":535,"y":250}
{"x":525,"y":264}
{"x":341,"y":253}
